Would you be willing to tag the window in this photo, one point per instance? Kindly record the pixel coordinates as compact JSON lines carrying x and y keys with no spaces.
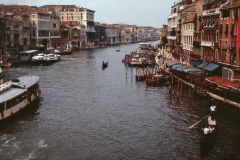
{"x":225,"y":13}
{"x":226,"y":29}
{"x":235,"y":13}
{"x":216,"y":55}
{"x":217,"y":36}
{"x":54,"y":25}
{"x":220,"y":29}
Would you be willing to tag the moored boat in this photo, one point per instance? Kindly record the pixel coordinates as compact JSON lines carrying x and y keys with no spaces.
{"x":17,"y":94}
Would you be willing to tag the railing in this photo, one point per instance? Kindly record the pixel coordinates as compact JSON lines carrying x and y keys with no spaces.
{"x":55,"y":36}
{"x":207,"y":43}
{"x":211,"y":11}
{"x":173,"y":15}
{"x":90,"y":30}
{"x":190,"y":48}
{"x":171,"y":37}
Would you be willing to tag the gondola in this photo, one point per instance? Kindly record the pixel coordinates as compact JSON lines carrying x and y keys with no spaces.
{"x":207,"y":140}
{"x":104,"y":64}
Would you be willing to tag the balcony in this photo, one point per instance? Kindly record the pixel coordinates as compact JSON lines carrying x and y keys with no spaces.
{"x":211,"y":11}
{"x":173,"y":15}
{"x":187,"y":47}
{"x":207,"y":43}
{"x":90,"y":30}
{"x":171,"y":37}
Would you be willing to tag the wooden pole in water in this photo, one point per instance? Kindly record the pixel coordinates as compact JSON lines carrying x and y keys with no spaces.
{"x":199,"y":121}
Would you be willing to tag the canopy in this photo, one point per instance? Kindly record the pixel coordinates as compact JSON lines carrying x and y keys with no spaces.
{"x":235,"y":85}
{"x":215,"y":79}
{"x":181,"y":69}
{"x":202,"y":64}
{"x":225,"y":83}
{"x":192,"y":69}
{"x":173,"y":63}
{"x":195,"y":62}
{"x":211,"y":67}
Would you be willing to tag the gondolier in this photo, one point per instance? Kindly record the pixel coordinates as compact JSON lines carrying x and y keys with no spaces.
{"x":212,"y":110}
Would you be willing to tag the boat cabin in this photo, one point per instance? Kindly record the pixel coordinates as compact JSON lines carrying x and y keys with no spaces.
{"x":26,"y":56}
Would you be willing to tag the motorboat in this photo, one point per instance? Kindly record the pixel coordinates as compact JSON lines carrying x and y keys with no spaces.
{"x":17,"y":94}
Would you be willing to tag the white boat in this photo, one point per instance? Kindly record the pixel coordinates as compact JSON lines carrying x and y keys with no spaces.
{"x":50,"y":58}
{"x":18,"y":94}
{"x":38,"y":58}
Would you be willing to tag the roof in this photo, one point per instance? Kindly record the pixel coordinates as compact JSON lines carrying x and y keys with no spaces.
{"x":18,"y":86}
{"x":24,"y":81}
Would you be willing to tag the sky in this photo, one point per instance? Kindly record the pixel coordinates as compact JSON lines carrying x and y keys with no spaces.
{"x":152,"y":13}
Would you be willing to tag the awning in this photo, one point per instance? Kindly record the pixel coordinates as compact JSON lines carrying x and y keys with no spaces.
{"x":235,"y":85}
{"x":192,"y":69}
{"x":177,"y":66}
{"x":211,"y":67}
{"x":173,"y":63}
{"x":195,"y":62}
{"x":202,"y":64}
{"x":215,"y":79}
{"x":225,"y":83}
{"x":181,"y":69}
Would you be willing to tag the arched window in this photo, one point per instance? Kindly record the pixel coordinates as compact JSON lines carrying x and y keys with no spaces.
{"x":217,"y":35}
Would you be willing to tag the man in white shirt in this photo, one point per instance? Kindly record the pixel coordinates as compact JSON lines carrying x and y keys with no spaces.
{"x":212,"y":110}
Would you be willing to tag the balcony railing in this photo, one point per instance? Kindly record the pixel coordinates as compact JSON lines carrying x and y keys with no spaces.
{"x":211,"y":11}
{"x":207,"y":43}
{"x":171,"y":37}
{"x":90,"y":30}
{"x":186,"y":47}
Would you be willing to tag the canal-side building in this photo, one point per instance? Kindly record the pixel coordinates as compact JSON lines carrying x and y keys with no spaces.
{"x":100,"y":36}
{"x":40,"y":29}
{"x":172,"y":27}
{"x":87,"y":19}
{"x":188,"y":25}
{"x":14,"y":28}
{"x":209,"y":36}
{"x":228,"y":55}
{"x":54,"y":30}
{"x":3,"y":32}
{"x":195,"y":56}
{"x":112,"y":35}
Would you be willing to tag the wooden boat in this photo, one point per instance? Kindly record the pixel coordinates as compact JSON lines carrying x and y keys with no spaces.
{"x":207,"y":140}
{"x":104,"y":64}
{"x":17,"y":94}
{"x":156,"y":79}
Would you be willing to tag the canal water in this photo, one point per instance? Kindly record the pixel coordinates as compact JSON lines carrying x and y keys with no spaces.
{"x":86,"y":112}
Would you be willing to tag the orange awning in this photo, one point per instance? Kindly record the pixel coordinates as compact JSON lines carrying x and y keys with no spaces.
{"x":225,"y":83}
{"x":235,"y":85}
{"x":215,"y":79}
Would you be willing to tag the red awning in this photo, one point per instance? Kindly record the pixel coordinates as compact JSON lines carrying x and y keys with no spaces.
{"x":237,"y":76}
{"x":215,"y":79}
{"x":225,"y":83}
{"x":235,"y":85}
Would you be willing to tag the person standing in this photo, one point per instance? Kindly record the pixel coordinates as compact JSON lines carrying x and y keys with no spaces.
{"x":212,"y":110}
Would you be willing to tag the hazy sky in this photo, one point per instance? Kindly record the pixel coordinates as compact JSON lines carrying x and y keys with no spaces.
{"x":135,"y":12}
